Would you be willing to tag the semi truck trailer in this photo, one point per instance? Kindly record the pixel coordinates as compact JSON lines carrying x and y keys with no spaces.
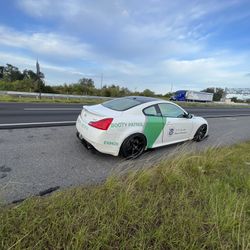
{"x":192,"y":96}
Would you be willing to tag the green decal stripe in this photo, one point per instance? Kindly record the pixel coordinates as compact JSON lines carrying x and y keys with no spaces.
{"x":153,"y":127}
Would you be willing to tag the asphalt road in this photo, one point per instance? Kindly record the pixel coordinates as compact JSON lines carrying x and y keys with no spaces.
{"x":37,"y":159}
{"x":66,"y":114}
{"x":11,"y":113}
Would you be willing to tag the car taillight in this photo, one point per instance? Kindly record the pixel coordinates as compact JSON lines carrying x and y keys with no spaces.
{"x":102,"y":124}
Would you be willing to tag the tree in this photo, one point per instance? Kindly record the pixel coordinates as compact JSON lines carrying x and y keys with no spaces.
{"x":218,"y":93}
{"x":1,"y":71}
{"x":105,"y":91}
{"x":13,"y":79}
{"x":29,"y":74}
{"x":115,"y":90}
{"x":148,"y":92}
{"x":87,"y":86}
{"x":125,"y":92}
{"x":168,"y":95}
{"x":39,"y":85}
{"x":234,"y":99}
{"x":11,"y":73}
{"x":111,"y":91}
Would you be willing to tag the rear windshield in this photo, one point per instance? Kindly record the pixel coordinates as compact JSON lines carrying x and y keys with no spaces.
{"x":121,"y":104}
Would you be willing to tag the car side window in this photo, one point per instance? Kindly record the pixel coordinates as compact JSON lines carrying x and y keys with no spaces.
{"x":170,"y":110}
{"x":151,"y":111}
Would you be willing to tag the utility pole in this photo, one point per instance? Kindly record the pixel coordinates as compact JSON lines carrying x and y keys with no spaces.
{"x":171,"y":88}
{"x":101,"y":79}
{"x":38,"y":78}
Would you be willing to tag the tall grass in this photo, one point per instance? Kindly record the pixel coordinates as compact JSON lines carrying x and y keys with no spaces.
{"x":6,"y":98}
{"x":213,"y":105}
{"x":193,"y":201}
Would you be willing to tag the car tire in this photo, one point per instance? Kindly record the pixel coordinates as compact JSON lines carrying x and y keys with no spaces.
{"x":133,"y":146}
{"x":200,"y":133}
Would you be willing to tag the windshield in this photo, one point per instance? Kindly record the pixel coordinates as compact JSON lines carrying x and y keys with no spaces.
{"x":121,"y":104}
{"x":179,"y":92}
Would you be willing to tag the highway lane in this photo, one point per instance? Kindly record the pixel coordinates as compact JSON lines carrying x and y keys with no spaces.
{"x":11,"y":113}
{"x":36,"y":159}
{"x":38,"y":112}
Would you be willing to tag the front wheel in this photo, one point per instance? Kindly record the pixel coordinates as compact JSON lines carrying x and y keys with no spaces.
{"x":200,"y":133}
{"x":133,"y":146}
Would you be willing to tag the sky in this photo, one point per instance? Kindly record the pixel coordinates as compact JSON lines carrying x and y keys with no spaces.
{"x":155,"y":44}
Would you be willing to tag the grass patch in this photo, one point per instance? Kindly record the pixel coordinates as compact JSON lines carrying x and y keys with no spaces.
{"x":196,"y":201}
{"x":211,"y":105}
{"x":6,"y":98}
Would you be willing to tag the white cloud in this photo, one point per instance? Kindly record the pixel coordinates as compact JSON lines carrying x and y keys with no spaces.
{"x":45,"y":43}
{"x":37,"y":8}
{"x":131,"y":30}
{"x":127,"y":30}
{"x":207,"y":72}
{"x":143,"y":45}
{"x":25,"y":62}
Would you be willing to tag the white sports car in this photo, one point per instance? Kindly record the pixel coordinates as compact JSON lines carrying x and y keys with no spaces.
{"x":130,"y":125}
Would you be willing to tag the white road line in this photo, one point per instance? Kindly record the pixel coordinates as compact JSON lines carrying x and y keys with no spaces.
{"x":231,"y":118}
{"x":35,"y":123}
{"x":223,"y":116}
{"x":51,"y":109}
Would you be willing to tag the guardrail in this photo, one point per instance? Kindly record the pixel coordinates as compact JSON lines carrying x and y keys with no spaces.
{"x":49,"y":95}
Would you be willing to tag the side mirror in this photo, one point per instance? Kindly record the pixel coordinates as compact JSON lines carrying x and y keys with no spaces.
{"x":187,"y":115}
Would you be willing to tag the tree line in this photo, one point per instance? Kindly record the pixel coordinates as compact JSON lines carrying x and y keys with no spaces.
{"x":12,"y":79}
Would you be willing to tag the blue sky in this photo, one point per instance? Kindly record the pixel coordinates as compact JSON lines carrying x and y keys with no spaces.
{"x":137,"y":44}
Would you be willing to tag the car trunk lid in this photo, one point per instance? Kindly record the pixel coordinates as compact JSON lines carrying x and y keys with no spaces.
{"x":98,"y":112}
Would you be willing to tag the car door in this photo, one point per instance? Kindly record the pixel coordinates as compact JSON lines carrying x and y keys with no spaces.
{"x":178,"y":127}
{"x":154,"y":126}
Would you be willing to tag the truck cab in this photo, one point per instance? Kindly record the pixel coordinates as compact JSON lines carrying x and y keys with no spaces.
{"x":179,"y":95}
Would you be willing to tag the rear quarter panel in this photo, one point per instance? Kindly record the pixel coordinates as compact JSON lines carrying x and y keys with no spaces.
{"x":124,"y":126}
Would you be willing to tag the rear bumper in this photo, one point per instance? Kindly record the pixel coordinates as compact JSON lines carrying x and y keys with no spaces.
{"x":92,"y":137}
{"x":84,"y":142}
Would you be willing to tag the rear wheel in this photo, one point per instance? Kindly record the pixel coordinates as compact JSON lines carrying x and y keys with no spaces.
{"x":200,"y":133}
{"x":133,"y":146}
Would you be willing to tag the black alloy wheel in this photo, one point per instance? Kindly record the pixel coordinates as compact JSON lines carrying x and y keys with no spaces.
{"x":133,"y":146}
{"x":201,"y":132}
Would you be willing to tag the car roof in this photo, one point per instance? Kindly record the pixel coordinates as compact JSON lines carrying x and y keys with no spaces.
{"x":144,"y":102}
{"x":143,"y":99}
